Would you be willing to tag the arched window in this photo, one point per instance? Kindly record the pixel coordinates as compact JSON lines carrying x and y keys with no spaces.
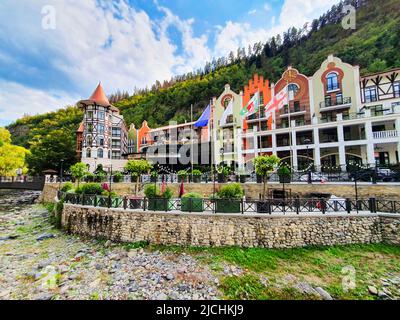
{"x":88,"y":153}
{"x":100,"y":153}
{"x":332,"y":81}
{"x":292,"y":87}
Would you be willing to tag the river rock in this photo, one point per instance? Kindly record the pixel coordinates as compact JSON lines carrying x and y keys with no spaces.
{"x":45,"y":236}
{"x":373,"y":290}
{"x":324,"y":295}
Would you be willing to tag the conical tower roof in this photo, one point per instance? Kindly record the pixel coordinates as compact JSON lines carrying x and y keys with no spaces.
{"x":99,"y":96}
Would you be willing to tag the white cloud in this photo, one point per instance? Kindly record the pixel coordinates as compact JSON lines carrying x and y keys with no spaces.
{"x":100,"y":40}
{"x":294,"y":13}
{"x":17,"y":100}
{"x":252,"y":12}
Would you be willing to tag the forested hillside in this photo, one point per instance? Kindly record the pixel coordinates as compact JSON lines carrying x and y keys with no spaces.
{"x":374,"y":45}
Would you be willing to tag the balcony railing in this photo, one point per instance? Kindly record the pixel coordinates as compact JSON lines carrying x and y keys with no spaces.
{"x":386,"y":134}
{"x":335,"y":102}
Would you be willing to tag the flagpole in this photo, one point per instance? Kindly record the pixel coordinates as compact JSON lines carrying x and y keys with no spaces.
{"x":191,"y":138}
{"x":212,"y":147}
{"x":259,"y":123}
{"x":290,"y":124}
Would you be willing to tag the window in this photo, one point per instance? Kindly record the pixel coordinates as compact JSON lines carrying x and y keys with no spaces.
{"x":328,"y":101}
{"x":370,"y":94}
{"x":116,"y":132}
{"x":100,"y":153}
{"x":101,"y":128}
{"x":89,"y":141}
{"x":101,"y":142}
{"x":396,"y":90}
{"x":116,"y":155}
{"x":300,"y":122}
{"x":296,"y":106}
{"x":339,"y":98}
{"x":293,"y":89}
{"x":90,"y":114}
{"x":332,"y":81}
{"x":101,"y":115}
{"x":88,"y":153}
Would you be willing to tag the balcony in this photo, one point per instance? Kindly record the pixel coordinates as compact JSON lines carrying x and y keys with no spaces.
{"x":386,"y":134}
{"x":296,"y":111}
{"x":334,"y":104}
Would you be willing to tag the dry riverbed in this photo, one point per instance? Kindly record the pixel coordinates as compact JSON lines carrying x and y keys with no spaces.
{"x":37,"y":261}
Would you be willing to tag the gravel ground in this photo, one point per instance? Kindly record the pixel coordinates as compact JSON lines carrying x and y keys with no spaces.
{"x":39,"y":262}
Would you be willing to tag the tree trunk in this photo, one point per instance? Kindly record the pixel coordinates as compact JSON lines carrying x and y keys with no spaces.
{"x":264,"y":184}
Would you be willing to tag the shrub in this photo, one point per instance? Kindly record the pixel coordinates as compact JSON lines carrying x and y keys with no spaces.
{"x":196,"y":172}
{"x":182,"y":173}
{"x":231,"y":191}
{"x":67,"y":187}
{"x":111,"y":194}
{"x":118,"y":176}
{"x":225,"y":171}
{"x":193,"y":195}
{"x":89,"y":177}
{"x":101,"y":176}
{"x":90,"y":188}
{"x":284,"y":171}
{"x":151,"y":192}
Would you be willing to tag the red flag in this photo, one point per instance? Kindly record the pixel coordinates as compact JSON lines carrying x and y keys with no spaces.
{"x":181,"y":190}
{"x":164,"y":185}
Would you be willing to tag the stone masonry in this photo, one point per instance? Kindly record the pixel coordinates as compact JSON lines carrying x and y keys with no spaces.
{"x":230,"y":230}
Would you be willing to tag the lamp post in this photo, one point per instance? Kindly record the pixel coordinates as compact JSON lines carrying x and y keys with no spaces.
{"x":307,"y":141}
{"x":61,"y":172}
{"x":111,"y":172}
{"x":95,"y":164}
{"x":222,"y":150}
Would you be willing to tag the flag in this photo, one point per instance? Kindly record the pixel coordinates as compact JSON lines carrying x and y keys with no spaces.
{"x":228,"y":111}
{"x":204,"y":118}
{"x":252,"y":106}
{"x":164,"y":185}
{"x":181,"y":190}
{"x":277,"y":102}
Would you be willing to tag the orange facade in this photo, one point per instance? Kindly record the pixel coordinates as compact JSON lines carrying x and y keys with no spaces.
{"x":143,"y":136}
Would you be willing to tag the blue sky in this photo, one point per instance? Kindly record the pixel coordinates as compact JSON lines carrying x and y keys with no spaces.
{"x":54,"y":52}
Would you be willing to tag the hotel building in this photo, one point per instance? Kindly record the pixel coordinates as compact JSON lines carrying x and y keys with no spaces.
{"x":334,"y":118}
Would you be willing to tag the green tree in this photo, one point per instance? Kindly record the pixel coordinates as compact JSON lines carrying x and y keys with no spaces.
{"x":136,"y":168}
{"x":264,"y":166}
{"x":79,"y":171}
{"x":11,"y":157}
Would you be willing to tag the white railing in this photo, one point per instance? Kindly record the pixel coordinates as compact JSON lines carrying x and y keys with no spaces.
{"x":386,"y":134}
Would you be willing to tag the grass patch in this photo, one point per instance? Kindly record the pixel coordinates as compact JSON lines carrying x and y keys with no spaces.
{"x":135,"y":245}
{"x":249,"y":287}
{"x":319,"y":266}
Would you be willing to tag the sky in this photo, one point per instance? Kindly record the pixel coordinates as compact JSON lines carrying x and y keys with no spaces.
{"x":53,"y":53}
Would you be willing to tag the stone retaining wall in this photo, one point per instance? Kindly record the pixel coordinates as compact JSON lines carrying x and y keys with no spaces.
{"x":230,"y":230}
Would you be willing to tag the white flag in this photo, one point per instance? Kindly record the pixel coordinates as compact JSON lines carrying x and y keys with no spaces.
{"x":228,"y":111}
{"x":277,"y":102}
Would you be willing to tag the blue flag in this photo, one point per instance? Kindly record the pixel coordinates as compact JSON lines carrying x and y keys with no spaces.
{"x":203,"y":120}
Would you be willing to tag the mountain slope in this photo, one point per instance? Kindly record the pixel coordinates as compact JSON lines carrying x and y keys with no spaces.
{"x":373,"y":45}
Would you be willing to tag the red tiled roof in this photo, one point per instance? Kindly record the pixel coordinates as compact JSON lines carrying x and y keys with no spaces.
{"x":80,"y":129}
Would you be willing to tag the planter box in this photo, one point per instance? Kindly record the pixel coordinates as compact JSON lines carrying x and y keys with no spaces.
{"x":227,"y":206}
{"x":159,"y":205}
{"x":134,"y":203}
{"x":196,"y":179}
{"x":284,"y":179}
{"x":221,"y":178}
{"x":192,"y":205}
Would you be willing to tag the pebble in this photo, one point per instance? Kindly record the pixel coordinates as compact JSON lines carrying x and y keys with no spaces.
{"x":170,"y":277}
{"x":324,"y":294}
{"x":373,"y":290}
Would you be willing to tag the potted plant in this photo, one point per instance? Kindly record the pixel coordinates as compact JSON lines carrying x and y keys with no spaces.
{"x":192,"y":202}
{"x":118,"y":177}
{"x":182,"y":175}
{"x":158,"y":201}
{"x":196,"y":176}
{"x":264,"y":166}
{"x":241,"y":176}
{"x":223,"y":173}
{"x":284,"y":173}
{"x":228,"y":198}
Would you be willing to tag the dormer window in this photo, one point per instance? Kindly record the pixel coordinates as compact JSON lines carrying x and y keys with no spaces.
{"x":332,"y":81}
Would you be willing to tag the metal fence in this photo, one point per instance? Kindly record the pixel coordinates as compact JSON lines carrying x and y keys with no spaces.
{"x":267,"y":206}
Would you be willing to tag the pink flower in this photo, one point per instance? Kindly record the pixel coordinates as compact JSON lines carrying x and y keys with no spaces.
{"x":105,"y":187}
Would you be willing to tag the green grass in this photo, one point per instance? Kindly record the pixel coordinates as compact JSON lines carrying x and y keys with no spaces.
{"x":319,"y":266}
